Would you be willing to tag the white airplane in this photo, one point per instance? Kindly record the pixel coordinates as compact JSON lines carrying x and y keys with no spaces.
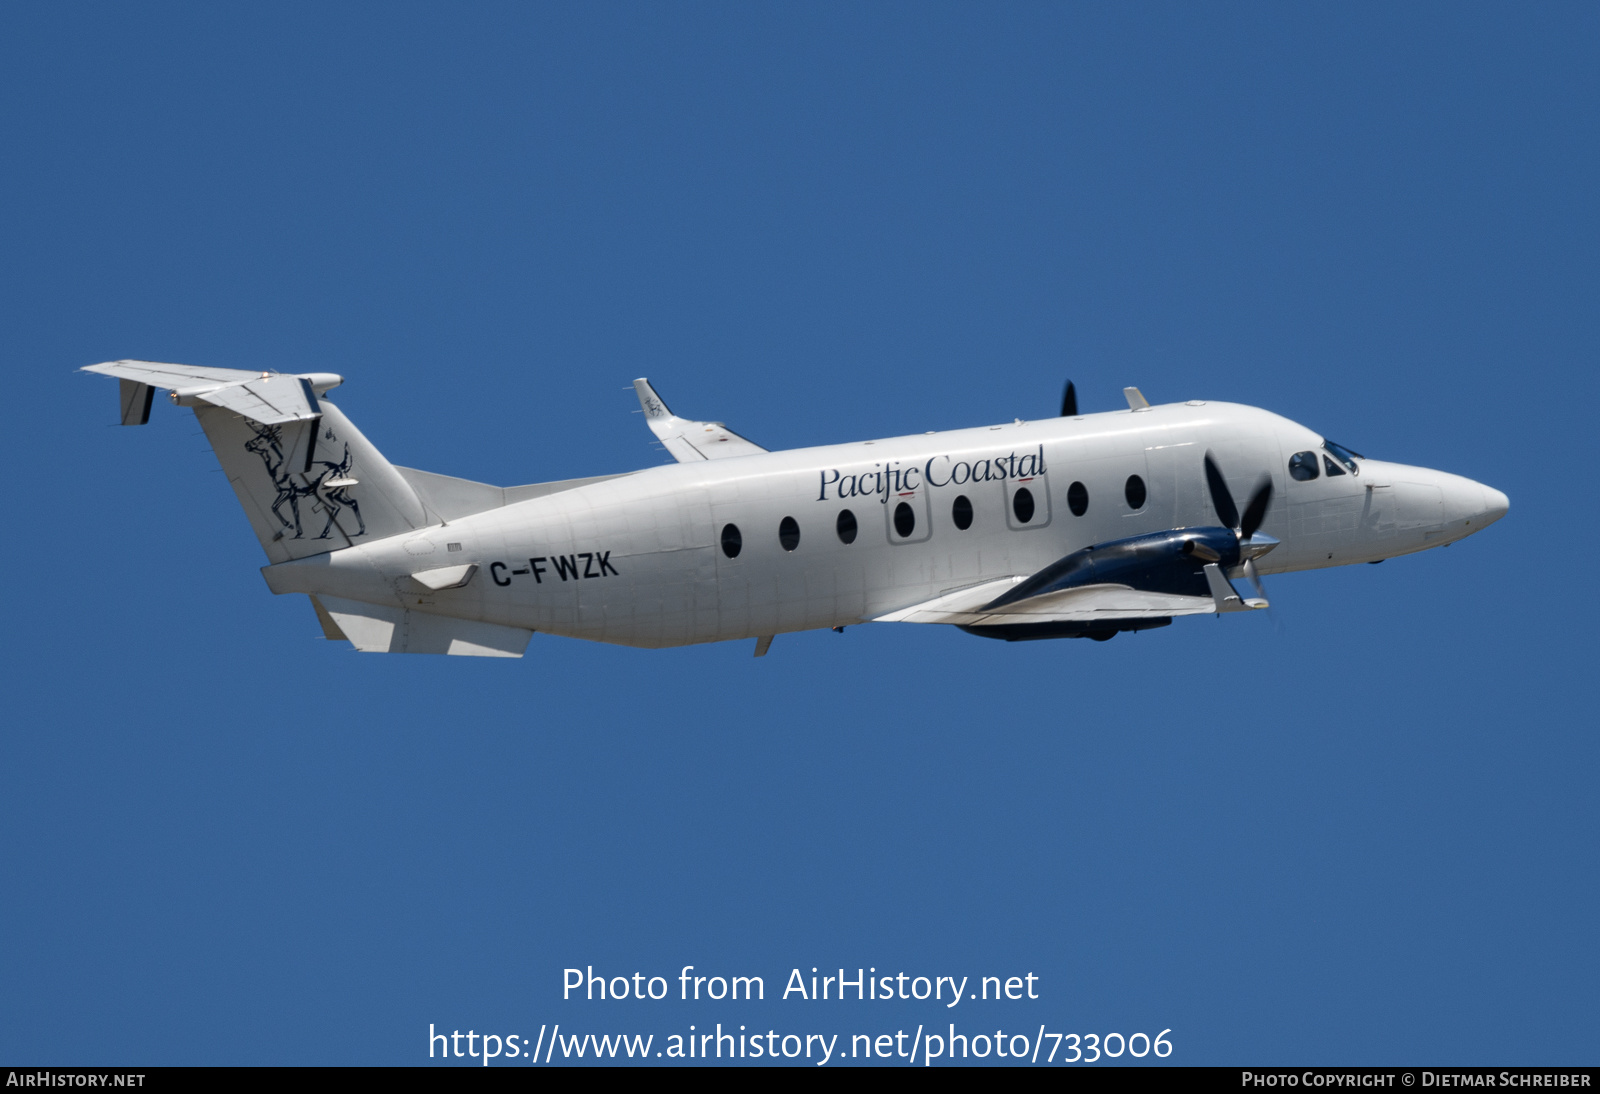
{"x":1080,"y":526}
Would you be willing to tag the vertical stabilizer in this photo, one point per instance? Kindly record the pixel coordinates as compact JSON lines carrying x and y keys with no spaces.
{"x":310,"y":487}
{"x":308,"y":480}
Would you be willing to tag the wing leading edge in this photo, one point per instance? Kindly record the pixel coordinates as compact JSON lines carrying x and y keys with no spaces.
{"x":1081,"y":604}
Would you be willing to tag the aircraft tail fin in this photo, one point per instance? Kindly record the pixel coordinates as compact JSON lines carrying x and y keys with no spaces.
{"x":308,"y":480}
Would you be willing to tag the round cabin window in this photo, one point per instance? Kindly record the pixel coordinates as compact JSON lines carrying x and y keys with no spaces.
{"x":1078,"y":499}
{"x":846,"y":526}
{"x":1135,"y":492}
{"x":961,"y":512}
{"x":1022,"y":504}
{"x":905,"y":520}
{"x":788,"y":534}
{"x":732,"y":541}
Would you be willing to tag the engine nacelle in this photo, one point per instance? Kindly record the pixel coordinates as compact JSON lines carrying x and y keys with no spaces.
{"x":1161,"y":562}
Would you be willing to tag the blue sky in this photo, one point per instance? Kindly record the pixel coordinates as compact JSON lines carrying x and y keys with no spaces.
{"x":1359,"y":831}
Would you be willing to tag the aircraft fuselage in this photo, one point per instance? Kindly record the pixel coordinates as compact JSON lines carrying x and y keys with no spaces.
{"x":648,"y":559}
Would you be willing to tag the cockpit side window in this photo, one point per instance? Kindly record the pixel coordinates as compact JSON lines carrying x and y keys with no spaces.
{"x":1303,"y":466}
{"x":1330,"y":467}
{"x":1344,"y":456}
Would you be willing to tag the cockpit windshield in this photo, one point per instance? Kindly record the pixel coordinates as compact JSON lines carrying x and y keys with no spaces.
{"x":1343,"y":455}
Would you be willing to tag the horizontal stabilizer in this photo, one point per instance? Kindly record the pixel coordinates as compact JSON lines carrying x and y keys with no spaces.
{"x":270,"y":398}
{"x":384,"y":628}
{"x":158,"y":374}
{"x":690,"y":441}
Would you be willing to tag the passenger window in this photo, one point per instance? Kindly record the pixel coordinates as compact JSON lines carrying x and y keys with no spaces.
{"x":961,"y":512}
{"x":1078,"y":499}
{"x":846,"y":526}
{"x":1135,"y":492}
{"x":1331,"y":468}
{"x":788,"y":534}
{"x":905,"y":520}
{"x":732,"y":541}
{"x":1022,"y":504}
{"x":1303,"y":466}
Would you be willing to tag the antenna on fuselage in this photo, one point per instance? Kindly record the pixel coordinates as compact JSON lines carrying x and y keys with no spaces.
{"x":1069,"y":401}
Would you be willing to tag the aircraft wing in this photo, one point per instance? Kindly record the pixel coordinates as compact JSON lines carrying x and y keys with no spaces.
{"x":265,"y":397}
{"x":687,"y":440}
{"x":1080,"y":604}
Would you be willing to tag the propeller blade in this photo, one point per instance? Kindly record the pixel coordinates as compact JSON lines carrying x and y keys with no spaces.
{"x":1221,"y":499}
{"x":1254,"y":575}
{"x":1069,"y":401}
{"x":1256,"y":511}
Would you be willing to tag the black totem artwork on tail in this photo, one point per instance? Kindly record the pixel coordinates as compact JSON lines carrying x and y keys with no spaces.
{"x":336,"y":496}
{"x":331,"y":499}
{"x":268,"y":444}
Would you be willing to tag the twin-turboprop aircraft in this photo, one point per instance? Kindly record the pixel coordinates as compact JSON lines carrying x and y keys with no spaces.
{"x":1079,"y":526}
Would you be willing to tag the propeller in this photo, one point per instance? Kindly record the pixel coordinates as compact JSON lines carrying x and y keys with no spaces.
{"x":1069,"y":401}
{"x":1246,"y":526}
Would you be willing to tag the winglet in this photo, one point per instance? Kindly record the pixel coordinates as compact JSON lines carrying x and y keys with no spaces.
{"x":686,"y":440}
{"x":655,"y":408}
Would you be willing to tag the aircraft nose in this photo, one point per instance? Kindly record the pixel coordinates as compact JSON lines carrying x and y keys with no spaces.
{"x":1495,"y":505}
{"x":1468,"y":506}
{"x":1428,"y":508}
